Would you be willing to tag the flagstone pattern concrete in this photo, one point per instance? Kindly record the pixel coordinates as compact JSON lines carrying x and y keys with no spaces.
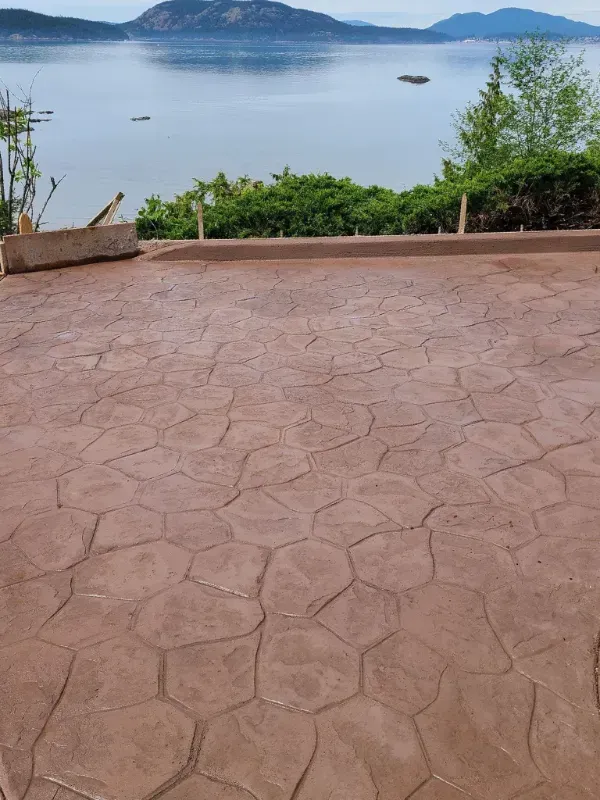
{"x":301,"y":531}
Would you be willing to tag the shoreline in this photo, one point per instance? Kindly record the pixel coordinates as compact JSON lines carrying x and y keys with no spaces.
{"x":274,"y":42}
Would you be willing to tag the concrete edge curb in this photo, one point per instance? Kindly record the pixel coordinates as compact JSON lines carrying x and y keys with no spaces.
{"x":478,"y":244}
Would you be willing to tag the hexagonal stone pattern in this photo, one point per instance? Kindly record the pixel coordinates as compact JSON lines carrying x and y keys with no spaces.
{"x":234,"y":567}
{"x":309,"y":531}
{"x":96,"y":488}
{"x":25,"y":607}
{"x":564,"y":741}
{"x":391,"y":762}
{"x":395,"y":561}
{"x":304,"y":666}
{"x":398,"y":498}
{"x":32,"y":676}
{"x":361,"y":615}
{"x":57,"y":540}
{"x":84,"y":621}
{"x":391,"y":677}
{"x":127,"y":526}
{"x":452,"y":621}
{"x":303,"y":577}
{"x":131,"y":751}
{"x":211,"y":678}
{"x":207,"y":788}
{"x":132,"y":573}
{"x":260,"y":747}
{"x":259,"y":519}
{"x":348,"y":522}
{"x":189,"y":613}
{"x":462,"y":740}
{"x":112,"y":674}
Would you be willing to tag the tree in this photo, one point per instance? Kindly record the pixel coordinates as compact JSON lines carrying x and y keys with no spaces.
{"x":19,"y":170}
{"x":539,"y":99}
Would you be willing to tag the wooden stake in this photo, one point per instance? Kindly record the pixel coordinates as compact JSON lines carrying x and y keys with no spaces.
{"x":3,"y":261}
{"x":200,"y":221}
{"x":463,"y":215}
{"x":25,"y":224}
{"x":109,"y":208}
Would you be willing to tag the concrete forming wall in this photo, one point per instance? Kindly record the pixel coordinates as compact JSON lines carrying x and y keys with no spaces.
{"x":67,"y":248}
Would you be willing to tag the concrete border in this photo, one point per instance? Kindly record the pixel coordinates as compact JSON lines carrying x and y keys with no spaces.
{"x":473,"y":244}
{"x":67,"y":248}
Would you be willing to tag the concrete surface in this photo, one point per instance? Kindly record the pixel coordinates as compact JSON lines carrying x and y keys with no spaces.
{"x":303,"y":532}
{"x":377,"y":246}
{"x":70,"y":247}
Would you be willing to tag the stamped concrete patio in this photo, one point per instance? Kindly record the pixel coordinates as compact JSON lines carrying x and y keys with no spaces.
{"x":322,"y":531}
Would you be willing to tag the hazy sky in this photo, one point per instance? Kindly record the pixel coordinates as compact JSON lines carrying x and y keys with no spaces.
{"x":396,"y":12}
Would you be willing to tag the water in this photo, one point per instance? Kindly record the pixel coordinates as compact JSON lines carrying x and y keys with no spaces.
{"x":244,"y":109}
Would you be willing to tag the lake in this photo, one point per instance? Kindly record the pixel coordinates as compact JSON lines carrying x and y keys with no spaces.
{"x":243,"y":109}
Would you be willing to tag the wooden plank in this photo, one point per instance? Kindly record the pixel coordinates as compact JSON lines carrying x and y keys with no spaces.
{"x":200,"y":221}
{"x":25,"y":224}
{"x":101,"y":215}
{"x":112,"y":211}
{"x":463,"y":215}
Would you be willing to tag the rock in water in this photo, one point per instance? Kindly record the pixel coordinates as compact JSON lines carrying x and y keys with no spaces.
{"x":140,"y":119}
{"x":416,"y":79}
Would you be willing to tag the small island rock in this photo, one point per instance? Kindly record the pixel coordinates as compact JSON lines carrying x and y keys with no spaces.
{"x":416,"y":79}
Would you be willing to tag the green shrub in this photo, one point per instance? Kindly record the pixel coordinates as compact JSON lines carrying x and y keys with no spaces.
{"x":552,"y":191}
{"x":292,"y":205}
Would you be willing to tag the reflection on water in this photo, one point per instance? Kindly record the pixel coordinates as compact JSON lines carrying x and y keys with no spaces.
{"x":245,"y":109}
{"x":227,"y":58}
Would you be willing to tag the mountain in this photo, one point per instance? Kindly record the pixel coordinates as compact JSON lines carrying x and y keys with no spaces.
{"x":359,"y":23}
{"x":19,"y":25}
{"x":511,"y":22}
{"x":261,"y":20}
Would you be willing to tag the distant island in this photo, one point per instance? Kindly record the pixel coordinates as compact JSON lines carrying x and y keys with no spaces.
{"x":267,"y":21}
{"x":20,"y":25}
{"x":509,"y":23}
{"x":262,"y":21}
{"x":360,"y":23}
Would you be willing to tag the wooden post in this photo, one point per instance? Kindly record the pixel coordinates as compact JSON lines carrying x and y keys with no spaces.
{"x":25,"y":224}
{"x":463,"y":215}
{"x":3,"y":261}
{"x":200,"y":221}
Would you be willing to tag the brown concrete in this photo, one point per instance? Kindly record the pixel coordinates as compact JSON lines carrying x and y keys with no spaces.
{"x":443,"y":245}
{"x":301,"y":532}
{"x":69,"y":247}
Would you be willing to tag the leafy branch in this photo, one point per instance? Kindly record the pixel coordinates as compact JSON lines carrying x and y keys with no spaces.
{"x":19,"y":170}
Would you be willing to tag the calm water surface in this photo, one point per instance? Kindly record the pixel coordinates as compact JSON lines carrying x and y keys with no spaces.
{"x":239,"y":108}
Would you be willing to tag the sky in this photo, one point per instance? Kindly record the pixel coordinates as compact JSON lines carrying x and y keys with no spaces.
{"x":382,"y":12}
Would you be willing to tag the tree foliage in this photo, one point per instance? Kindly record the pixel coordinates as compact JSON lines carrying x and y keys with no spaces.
{"x":19,"y":170}
{"x":539,"y":99}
